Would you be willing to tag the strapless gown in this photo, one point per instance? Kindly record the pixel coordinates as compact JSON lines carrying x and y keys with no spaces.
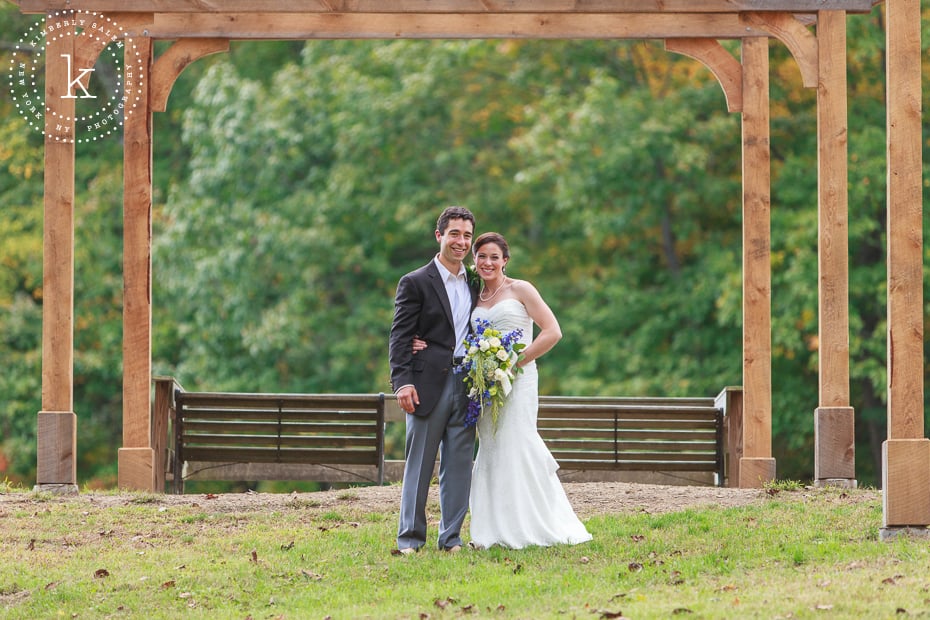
{"x":517,"y":499}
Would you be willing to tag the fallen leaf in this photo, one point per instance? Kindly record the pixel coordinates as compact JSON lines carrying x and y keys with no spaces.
{"x":773,"y":492}
{"x":167,"y":584}
{"x":32,"y":545}
{"x":254,"y":555}
{"x":311,"y":575}
{"x":635,"y":567}
{"x":637,"y":538}
{"x":681,"y":610}
{"x":101,"y":573}
{"x":611,"y":614}
{"x":823,"y":607}
{"x":900,"y":610}
{"x":517,"y":569}
{"x":210,"y":496}
{"x":51,"y":586}
{"x":728,"y":588}
{"x":584,"y":559}
{"x":288,"y":546}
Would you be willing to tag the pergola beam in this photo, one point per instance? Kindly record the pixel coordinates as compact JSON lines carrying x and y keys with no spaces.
{"x":451,"y":26}
{"x":448,"y":6}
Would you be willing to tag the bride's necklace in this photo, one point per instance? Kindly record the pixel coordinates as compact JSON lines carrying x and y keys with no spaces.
{"x":494,"y":294}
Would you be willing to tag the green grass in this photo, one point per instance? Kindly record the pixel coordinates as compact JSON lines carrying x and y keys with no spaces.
{"x":815,"y":554}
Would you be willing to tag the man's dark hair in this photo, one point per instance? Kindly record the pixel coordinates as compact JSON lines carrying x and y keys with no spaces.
{"x":454,"y":213}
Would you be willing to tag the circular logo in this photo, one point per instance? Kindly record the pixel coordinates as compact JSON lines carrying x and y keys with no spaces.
{"x":102,"y":92}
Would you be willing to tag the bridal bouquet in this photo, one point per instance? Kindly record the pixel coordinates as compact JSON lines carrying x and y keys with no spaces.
{"x":490,"y":367}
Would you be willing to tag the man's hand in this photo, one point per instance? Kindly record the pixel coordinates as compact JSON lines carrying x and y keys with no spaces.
{"x":408,"y":399}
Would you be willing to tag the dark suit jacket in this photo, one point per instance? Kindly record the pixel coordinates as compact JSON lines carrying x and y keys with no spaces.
{"x":422,"y":308}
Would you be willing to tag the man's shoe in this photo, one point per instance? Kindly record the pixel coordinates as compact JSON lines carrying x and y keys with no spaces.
{"x":454,"y":548}
{"x":405,"y":551}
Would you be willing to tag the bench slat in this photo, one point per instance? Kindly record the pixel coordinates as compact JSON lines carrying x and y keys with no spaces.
{"x":271,"y":455}
{"x":235,"y":414}
{"x":639,"y":465}
{"x":548,"y":428}
{"x":225,"y":426}
{"x":226,"y":400}
{"x":315,"y":441}
{"x":608,"y":447}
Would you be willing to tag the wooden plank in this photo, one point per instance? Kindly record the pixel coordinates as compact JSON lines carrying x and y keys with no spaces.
{"x":194,"y":427}
{"x":260,"y":441}
{"x":447,"y":26}
{"x":586,"y":410}
{"x":346,"y":472}
{"x":56,"y":462}
{"x":324,"y":402}
{"x":757,"y":286}
{"x":904,"y":221}
{"x":730,"y":401}
{"x":658,"y":465}
{"x":834,"y":443}
{"x":221,"y":416}
{"x":136,"y":469}
{"x":58,"y":234}
{"x":906,"y":482}
{"x":162,"y":415}
{"x":832,"y":213}
{"x":259,"y":455}
{"x":137,"y":258}
{"x":447,"y":6}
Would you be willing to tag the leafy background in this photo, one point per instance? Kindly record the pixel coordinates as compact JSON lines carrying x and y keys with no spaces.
{"x":296,"y":182}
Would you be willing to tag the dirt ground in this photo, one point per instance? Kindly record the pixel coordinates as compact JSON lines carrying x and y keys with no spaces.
{"x":588,"y":499}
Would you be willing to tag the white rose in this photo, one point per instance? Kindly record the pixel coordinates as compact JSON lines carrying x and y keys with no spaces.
{"x":502,"y":355}
{"x":483,"y":345}
{"x":495,"y":341}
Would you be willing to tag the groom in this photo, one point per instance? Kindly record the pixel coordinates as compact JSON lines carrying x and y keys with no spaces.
{"x":434,"y":303}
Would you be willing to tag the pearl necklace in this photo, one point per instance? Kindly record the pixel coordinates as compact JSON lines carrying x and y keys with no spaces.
{"x":494,"y":294}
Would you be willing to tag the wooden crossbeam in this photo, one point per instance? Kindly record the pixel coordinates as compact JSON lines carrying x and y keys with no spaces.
{"x":447,"y":6}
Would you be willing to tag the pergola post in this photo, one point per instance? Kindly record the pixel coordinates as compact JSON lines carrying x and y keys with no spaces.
{"x":136,"y":459}
{"x":56,"y":467}
{"x":906,"y":452}
{"x":756,"y":467}
{"x":834,"y":418}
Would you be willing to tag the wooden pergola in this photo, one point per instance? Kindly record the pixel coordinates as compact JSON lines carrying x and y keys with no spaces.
{"x":813,"y":30}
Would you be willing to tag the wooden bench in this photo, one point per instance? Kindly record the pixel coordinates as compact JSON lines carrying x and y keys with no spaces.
{"x":669,"y":435}
{"x":661,"y":440}
{"x":245,"y":437}
{"x":340,"y":437}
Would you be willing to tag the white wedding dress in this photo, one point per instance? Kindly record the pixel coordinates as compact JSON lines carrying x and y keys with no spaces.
{"x":517,"y":499}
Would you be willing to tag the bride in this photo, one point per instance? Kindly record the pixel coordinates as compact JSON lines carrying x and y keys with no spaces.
{"x":516,"y":497}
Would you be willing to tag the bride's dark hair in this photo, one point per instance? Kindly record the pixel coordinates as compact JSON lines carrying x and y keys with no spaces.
{"x":491,"y":237}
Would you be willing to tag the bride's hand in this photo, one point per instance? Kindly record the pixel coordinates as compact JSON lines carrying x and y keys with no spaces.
{"x":418,"y":345}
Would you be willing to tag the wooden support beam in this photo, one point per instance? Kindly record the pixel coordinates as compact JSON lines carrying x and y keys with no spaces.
{"x":834,"y":419}
{"x":174,"y":60}
{"x":57,"y":424}
{"x":725,"y":67}
{"x":136,"y":458}
{"x":756,"y":466}
{"x":797,"y":38}
{"x":448,"y":26}
{"x":449,"y":6}
{"x":906,"y":453}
